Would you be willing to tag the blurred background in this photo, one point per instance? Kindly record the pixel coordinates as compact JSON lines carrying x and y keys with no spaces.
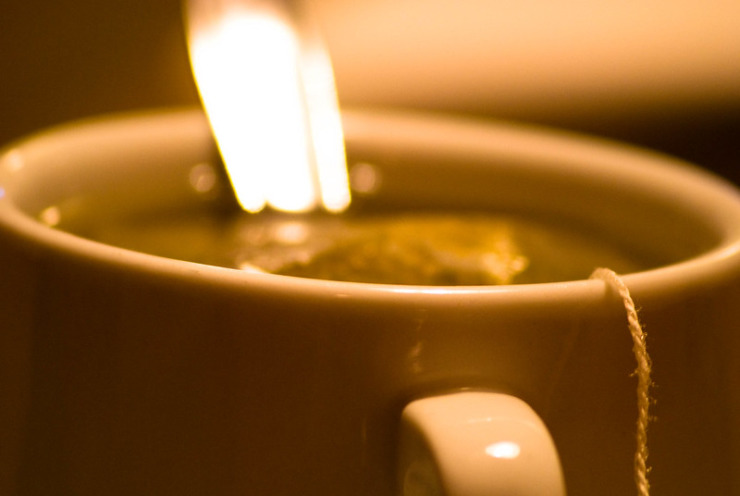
{"x":659,"y":73}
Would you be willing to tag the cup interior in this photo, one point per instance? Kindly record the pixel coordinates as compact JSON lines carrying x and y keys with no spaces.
{"x":661,"y":210}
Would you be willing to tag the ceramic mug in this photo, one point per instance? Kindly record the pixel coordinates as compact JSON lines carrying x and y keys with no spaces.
{"x":128,"y":373}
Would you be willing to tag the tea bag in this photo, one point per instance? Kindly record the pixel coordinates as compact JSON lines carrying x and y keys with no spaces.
{"x":423,"y":249}
{"x":427,"y":250}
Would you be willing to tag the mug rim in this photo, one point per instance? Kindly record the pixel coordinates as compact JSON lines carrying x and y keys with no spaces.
{"x":720,"y":263}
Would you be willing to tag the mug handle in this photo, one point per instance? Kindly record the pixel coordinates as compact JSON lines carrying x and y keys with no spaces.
{"x":475,"y":443}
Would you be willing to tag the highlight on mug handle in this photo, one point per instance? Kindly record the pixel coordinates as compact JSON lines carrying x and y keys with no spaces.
{"x":475,"y":443}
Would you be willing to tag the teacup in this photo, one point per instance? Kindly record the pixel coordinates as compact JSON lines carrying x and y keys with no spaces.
{"x":128,"y":373}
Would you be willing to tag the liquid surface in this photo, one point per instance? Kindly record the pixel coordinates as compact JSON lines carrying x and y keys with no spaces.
{"x":400,"y":248}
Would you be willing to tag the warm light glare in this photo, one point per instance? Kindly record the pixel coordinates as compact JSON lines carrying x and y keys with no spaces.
{"x":51,"y":216}
{"x":506,"y":450}
{"x":326,"y":126}
{"x":271,"y":102}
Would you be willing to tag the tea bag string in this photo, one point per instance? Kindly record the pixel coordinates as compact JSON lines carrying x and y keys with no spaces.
{"x":643,"y":370}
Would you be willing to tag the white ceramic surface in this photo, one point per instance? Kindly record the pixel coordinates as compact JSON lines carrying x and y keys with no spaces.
{"x":125,"y":373}
{"x":476,"y":443}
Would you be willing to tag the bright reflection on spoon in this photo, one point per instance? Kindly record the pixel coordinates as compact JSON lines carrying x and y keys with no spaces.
{"x":267,"y":86}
